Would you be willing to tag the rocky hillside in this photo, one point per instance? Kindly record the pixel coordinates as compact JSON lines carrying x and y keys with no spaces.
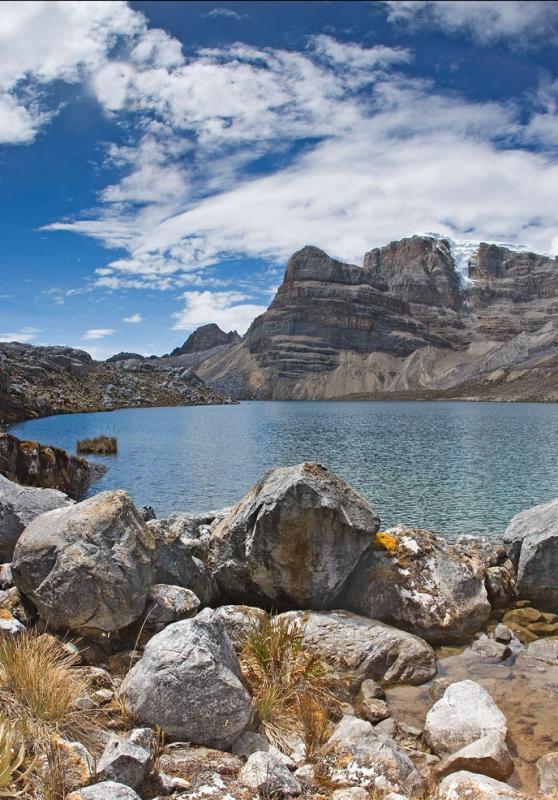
{"x":37,"y":381}
{"x":206,"y":338}
{"x":405,"y":324}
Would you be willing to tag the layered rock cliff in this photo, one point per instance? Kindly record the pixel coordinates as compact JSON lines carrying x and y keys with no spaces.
{"x":405,"y":324}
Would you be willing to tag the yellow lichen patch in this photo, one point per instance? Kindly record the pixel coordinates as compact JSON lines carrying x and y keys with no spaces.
{"x":387,"y":541}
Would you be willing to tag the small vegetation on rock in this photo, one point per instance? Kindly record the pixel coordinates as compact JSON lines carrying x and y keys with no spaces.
{"x":294,"y":691}
{"x":98,"y":445}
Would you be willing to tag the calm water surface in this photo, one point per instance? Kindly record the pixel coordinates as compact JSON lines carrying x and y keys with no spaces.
{"x":450,"y":467}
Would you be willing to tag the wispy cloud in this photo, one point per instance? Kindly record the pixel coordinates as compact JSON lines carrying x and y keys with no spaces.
{"x":134,"y":319}
{"x":26,"y":334}
{"x":527,"y":22}
{"x":98,"y":333}
{"x":223,"y":12}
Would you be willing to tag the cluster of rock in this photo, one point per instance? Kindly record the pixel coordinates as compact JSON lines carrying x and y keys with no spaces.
{"x":405,"y":324}
{"x":371,"y":603}
{"x":38,"y":381}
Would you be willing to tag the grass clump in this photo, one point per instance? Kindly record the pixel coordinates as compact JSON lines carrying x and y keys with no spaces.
{"x":98,"y":445}
{"x":293,"y":690}
{"x":40,"y":684}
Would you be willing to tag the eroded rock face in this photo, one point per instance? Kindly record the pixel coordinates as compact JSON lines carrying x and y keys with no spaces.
{"x":361,"y":648}
{"x":197,"y":654}
{"x":19,"y":505}
{"x":34,"y":464}
{"x":88,"y":567}
{"x":419,"y":582}
{"x":292,"y":540}
{"x":532,"y":539}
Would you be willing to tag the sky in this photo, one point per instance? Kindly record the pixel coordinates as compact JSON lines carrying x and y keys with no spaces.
{"x":160,"y":161}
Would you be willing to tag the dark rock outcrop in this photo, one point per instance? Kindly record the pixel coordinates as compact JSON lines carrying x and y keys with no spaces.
{"x":34,"y":464}
{"x":206,"y":338}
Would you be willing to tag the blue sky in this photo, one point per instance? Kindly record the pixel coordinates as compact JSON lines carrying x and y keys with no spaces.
{"x":159,"y":162}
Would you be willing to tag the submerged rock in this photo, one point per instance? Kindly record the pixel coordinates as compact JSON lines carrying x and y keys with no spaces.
{"x":88,"y":567}
{"x":532,"y":539}
{"x":19,"y":505}
{"x":360,"y":648}
{"x":188,"y":683}
{"x":292,"y":540}
{"x":419,"y":582}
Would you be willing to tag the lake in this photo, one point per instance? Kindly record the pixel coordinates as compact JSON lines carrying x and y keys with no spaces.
{"x":449,"y":467}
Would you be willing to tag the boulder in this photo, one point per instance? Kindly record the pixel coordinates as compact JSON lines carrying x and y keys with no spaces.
{"x":251,"y":742}
{"x":370,"y":703}
{"x":461,"y":785}
{"x":166,"y":604}
{"x":267,"y":774}
{"x":488,"y":755}
{"x":173,"y":564}
{"x":547,"y":767}
{"x":87,"y":567}
{"x":292,"y":540}
{"x":490,"y":649}
{"x":464,"y":714}
{"x":419,"y":582}
{"x":359,"y":648}
{"x":238,"y":620}
{"x":197,"y":654}
{"x":374,"y":760}
{"x":500,"y":585}
{"x":124,"y":762}
{"x":532,"y":540}
{"x":19,"y":505}
{"x":107,"y":790}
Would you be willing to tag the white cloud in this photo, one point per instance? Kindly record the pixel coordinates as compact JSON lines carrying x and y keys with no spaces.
{"x":487,"y":21}
{"x":222,"y":12}
{"x":228,"y":309}
{"x":27,"y":334}
{"x":134,"y":319}
{"x":98,"y":333}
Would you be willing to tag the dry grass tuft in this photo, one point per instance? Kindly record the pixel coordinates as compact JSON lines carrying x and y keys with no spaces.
{"x":293,"y":690}
{"x":39,"y":688}
{"x":12,"y":757}
{"x":99,"y":445}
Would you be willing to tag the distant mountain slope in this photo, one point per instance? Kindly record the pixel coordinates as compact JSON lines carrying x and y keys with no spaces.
{"x":405,"y":324}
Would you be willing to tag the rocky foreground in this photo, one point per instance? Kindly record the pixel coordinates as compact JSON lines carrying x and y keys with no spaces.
{"x":38,"y":381}
{"x":183,"y":626}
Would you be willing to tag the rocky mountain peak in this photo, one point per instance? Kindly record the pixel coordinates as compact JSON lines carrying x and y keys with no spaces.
{"x":206,"y":338}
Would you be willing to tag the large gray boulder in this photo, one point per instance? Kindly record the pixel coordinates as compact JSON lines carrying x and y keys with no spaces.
{"x":469,"y":785}
{"x":188,"y":683}
{"x":532,"y":541}
{"x":292,"y":540}
{"x":419,"y":582}
{"x":359,"y":648}
{"x":19,"y":505}
{"x":464,"y":714}
{"x":87,"y":567}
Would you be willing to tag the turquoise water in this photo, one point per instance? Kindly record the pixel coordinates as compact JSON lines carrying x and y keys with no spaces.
{"x":450,"y":467}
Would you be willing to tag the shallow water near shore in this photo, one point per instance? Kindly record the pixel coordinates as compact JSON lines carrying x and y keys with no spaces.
{"x":523,"y":688}
{"x":451,"y":467}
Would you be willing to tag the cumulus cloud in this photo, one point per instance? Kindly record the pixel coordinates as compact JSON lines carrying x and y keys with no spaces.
{"x":98,"y":333}
{"x":134,"y":319}
{"x":486,"y":21}
{"x":228,"y":309}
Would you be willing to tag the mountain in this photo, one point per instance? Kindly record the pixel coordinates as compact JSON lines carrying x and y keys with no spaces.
{"x":206,"y":338}
{"x":412,"y":322}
